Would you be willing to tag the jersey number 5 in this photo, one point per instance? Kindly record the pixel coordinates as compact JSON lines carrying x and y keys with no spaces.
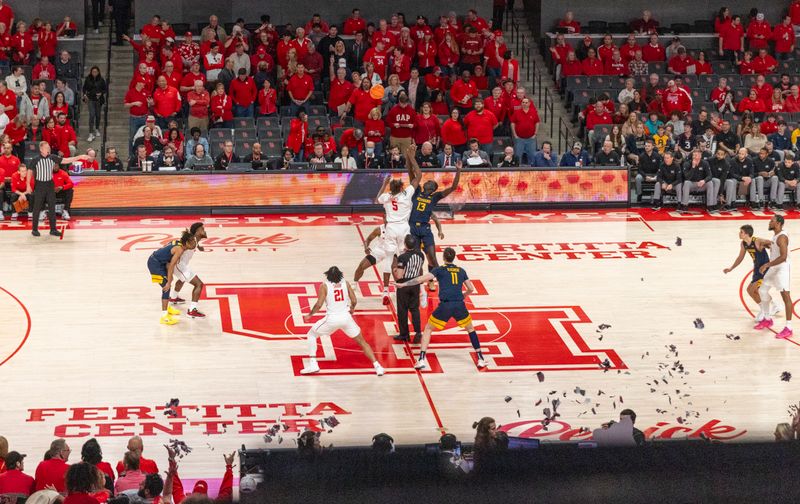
{"x":421,"y":206}
{"x":338,"y":294}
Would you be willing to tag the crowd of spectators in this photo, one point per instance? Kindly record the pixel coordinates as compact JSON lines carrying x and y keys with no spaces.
{"x":39,"y":101}
{"x":357,"y":93}
{"x":720,"y":122}
{"x":135,"y":480}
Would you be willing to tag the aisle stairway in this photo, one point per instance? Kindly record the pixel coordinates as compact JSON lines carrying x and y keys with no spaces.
{"x":95,"y":55}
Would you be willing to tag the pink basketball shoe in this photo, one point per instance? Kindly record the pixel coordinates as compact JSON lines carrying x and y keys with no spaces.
{"x":786,"y":333}
{"x":764,"y":324}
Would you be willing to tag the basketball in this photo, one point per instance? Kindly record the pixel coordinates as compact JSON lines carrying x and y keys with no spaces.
{"x":376,"y":92}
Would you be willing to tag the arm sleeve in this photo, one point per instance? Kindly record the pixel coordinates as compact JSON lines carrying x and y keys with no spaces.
{"x":383,"y":198}
{"x":226,"y":487}
{"x":178,"y":493}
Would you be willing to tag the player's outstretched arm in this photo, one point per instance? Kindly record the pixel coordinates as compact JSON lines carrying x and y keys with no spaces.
{"x":414,"y":171}
{"x":737,"y":262}
{"x":438,"y":226}
{"x":456,"y":180}
{"x":382,"y":190}
{"x":427,"y":277}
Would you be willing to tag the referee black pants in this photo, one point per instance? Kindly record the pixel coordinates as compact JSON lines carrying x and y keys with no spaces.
{"x":408,"y":300}
{"x":44,"y":192}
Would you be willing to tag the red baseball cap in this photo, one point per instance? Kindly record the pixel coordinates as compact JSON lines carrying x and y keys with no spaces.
{"x":498,"y":33}
{"x":201,"y":487}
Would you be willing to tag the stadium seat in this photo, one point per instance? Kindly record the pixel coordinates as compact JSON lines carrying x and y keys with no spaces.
{"x":575,"y":82}
{"x":244,"y":134}
{"x":748,"y":81}
{"x":703,"y":26}
{"x":271,"y":148}
{"x":599,"y":81}
{"x":501,"y":142}
{"x":618,"y":82}
{"x":596,"y":27}
{"x":690,"y":80}
{"x":721,"y":67}
{"x":485,"y":93}
{"x":618,"y":27}
{"x":317,"y":110}
{"x":285,"y":127}
{"x":215,"y":147}
{"x":243,"y":147}
{"x":268,"y":122}
{"x":658,"y":67}
{"x":286,"y":111}
{"x":219,"y":134}
{"x":181,"y":28}
{"x":680,"y":28}
{"x":269,"y":133}
{"x":707,"y":81}
{"x":243,"y":122}
{"x":337,"y":135}
{"x":315,"y":122}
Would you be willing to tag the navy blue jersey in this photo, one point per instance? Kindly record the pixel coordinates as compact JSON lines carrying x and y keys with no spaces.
{"x":759,"y":257}
{"x":164,"y":254}
{"x":450,"y":278}
{"x":422,"y":206}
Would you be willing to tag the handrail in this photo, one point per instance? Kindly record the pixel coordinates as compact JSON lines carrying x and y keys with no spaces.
{"x":108,"y":95}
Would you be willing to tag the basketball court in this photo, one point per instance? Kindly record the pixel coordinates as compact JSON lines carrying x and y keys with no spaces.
{"x":595,"y":311}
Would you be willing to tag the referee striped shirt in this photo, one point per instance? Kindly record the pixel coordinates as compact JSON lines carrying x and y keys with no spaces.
{"x":411,"y":261}
{"x":43,"y":167}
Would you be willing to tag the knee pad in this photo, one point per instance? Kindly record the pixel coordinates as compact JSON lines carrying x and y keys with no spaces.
{"x":371,"y":259}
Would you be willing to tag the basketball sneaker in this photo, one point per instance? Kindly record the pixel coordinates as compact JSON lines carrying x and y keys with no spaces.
{"x":379,"y":370}
{"x":311,"y":368}
{"x":168,"y":319}
{"x":386,"y":299}
{"x":786,"y":333}
{"x":177,"y":300}
{"x":482,"y":363}
{"x":764,"y":324}
{"x":173,"y":311}
{"x":417,"y":338}
{"x":194,"y":312}
{"x":421,"y":364}
{"x":423,"y":298}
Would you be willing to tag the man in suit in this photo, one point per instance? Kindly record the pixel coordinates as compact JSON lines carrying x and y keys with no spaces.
{"x":448,"y":158}
{"x":416,"y":89}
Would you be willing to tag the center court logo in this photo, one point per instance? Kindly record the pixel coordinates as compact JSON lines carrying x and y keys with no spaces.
{"x":248,"y":243}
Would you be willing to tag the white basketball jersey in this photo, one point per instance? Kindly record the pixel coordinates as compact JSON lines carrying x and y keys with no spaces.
{"x":398,"y":206}
{"x":338,"y":299}
{"x":186,"y":256}
{"x":775,"y":251}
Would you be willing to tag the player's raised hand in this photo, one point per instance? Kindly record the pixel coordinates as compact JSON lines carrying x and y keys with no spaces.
{"x":412,"y":150}
{"x":726,"y":270}
{"x":459,"y":165}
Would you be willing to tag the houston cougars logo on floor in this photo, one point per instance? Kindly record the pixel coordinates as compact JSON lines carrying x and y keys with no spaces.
{"x":528,"y":338}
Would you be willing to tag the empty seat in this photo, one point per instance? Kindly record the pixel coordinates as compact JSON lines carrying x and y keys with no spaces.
{"x":599,"y":81}
{"x":244,"y":133}
{"x":243,"y":122}
{"x":596,"y":27}
{"x":721,"y":67}
{"x":679,"y":28}
{"x":500,"y":143}
{"x":317,"y":121}
{"x":317,"y":110}
{"x":216,"y":134}
{"x":270,"y":133}
{"x":271,"y":148}
{"x":268,"y":122}
{"x":618,"y":27}
{"x":703,"y":26}
{"x":180,"y":28}
{"x":243,"y":148}
{"x":576,"y":82}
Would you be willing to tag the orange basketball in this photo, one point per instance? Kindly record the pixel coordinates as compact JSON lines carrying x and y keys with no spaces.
{"x":376,"y":92}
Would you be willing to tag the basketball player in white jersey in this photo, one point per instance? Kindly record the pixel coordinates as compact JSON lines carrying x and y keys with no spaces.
{"x":339,"y":299}
{"x":184,"y":274}
{"x":397,"y":203}
{"x":379,"y":249}
{"x":777,"y":274}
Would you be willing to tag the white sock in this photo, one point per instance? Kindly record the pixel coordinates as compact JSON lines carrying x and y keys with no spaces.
{"x":174,"y":294}
{"x":312,"y":346}
{"x":385,"y":289}
{"x":193,"y":305}
{"x":164,"y":313}
{"x":789,"y":324}
{"x":760,"y":316}
{"x":376,"y":364}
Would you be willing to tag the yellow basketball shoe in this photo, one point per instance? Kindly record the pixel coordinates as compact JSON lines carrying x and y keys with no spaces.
{"x":171,"y":310}
{"x":168,"y":319}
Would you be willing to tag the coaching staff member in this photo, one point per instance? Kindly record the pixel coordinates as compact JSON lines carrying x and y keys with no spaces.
{"x":43,"y":166}
{"x":406,"y":267}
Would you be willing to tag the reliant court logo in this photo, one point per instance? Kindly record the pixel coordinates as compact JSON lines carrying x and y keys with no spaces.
{"x":233,"y":243}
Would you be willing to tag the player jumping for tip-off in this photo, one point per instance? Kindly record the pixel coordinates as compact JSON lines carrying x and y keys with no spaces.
{"x":423,"y":203}
{"x":339,"y":299}
{"x":184,"y":274}
{"x":451,"y":279}
{"x":161,"y":264}
{"x":777,"y":273}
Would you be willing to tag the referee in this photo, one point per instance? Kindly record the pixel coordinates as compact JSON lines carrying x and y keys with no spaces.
{"x":406,"y":267}
{"x":43,"y":167}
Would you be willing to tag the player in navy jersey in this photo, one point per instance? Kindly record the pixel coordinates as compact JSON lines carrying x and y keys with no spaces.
{"x":757,"y":249}
{"x":423,"y":203}
{"x":161,"y":264}
{"x":452,"y":279}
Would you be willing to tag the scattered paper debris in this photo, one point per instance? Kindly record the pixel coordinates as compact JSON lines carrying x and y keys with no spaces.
{"x":540,"y":376}
{"x":507,"y":398}
{"x":678,"y":241}
{"x":698,"y":323}
{"x":786,"y":376}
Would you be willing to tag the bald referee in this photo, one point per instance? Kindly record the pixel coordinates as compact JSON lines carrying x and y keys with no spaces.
{"x":43,"y":167}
